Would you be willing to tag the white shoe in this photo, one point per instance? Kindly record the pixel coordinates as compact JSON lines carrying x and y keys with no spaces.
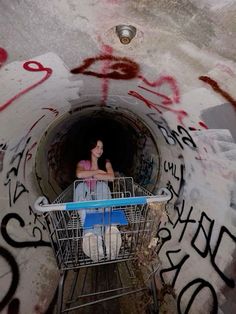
{"x":112,"y":242}
{"x":92,"y":246}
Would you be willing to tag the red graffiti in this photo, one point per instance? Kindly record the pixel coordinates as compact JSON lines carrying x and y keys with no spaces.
{"x":105,"y":69}
{"x":28,"y":67}
{"x":203,"y":125}
{"x":166,"y":101}
{"x":3,"y":56}
{"x":55,"y":111}
{"x":35,"y":123}
{"x":226,"y":69}
{"x":28,"y":156}
{"x":119,"y":68}
{"x":181,"y":114}
{"x":215,"y":86}
{"x":165,"y":80}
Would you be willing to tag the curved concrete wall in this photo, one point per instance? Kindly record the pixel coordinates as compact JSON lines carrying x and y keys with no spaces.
{"x":186,"y":108}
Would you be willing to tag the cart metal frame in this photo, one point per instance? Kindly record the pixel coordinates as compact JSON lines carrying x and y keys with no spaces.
{"x":126,"y":211}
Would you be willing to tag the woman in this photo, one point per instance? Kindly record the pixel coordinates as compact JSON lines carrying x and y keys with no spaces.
{"x":95,"y":171}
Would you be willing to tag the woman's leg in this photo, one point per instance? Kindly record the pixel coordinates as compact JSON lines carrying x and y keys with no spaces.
{"x":82,"y":193}
{"x":112,"y":237}
{"x":92,"y":240}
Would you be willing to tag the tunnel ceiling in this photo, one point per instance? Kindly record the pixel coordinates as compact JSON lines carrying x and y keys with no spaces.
{"x":69,"y":28}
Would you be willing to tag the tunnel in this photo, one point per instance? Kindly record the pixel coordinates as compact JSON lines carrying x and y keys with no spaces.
{"x":128,"y":142}
{"x":162,"y":98}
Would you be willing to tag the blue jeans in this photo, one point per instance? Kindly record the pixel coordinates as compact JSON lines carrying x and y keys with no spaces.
{"x":84,"y":193}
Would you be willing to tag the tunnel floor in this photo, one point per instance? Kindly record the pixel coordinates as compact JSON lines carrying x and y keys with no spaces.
{"x":94,"y":280}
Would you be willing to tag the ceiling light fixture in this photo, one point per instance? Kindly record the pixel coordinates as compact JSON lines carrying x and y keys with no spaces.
{"x":125,"y":33}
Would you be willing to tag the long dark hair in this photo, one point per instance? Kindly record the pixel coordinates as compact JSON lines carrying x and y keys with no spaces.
{"x":92,"y":144}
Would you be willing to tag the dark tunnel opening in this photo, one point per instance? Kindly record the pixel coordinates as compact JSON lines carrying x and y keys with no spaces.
{"x":120,"y":143}
{"x":128,"y":143}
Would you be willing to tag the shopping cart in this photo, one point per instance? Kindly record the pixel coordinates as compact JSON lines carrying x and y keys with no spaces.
{"x":96,"y":223}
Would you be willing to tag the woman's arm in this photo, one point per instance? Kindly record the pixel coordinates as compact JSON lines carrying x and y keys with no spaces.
{"x":108,"y":175}
{"x":81,"y":173}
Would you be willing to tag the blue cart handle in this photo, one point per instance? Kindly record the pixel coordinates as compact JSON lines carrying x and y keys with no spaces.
{"x":41,"y":204}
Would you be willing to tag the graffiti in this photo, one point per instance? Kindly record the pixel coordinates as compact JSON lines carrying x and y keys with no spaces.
{"x":182,"y":220}
{"x":55,"y":111}
{"x":36,"y":218}
{"x":180,"y":137}
{"x":172,"y":137}
{"x":29,"y":66}
{"x":164,"y":101}
{"x":15,"y":163}
{"x":215,"y":86}
{"x":16,"y":160}
{"x":3,"y":148}
{"x":206,"y":233}
{"x":164,"y":235}
{"x":176,"y":267}
{"x":28,"y":156}
{"x":8,"y":257}
{"x":105,"y":69}
{"x":54,"y":160}
{"x":181,"y":114}
{"x":122,"y":68}
{"x":3,"y":56}
{"x":203,"y":125}
{"x":170,"y":166}
{"x":203,"y":284}
{"x":34,"y":124}
{"x":225,"y":68}
{"x":202,"y":244}
{"x":172,"y":190}
{"x":17,"y":244}
{"x":14,"y":306}
{"x":145,"y":170}
{"x":161,"y":81}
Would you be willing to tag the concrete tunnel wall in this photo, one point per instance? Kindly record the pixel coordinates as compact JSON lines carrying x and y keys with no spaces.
{"x":181,"y":127}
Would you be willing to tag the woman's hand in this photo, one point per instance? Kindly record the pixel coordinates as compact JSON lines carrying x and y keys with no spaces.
{"x":99,"y":171}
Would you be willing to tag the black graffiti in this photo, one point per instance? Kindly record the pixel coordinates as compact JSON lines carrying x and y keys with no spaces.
{"x":16,"y":244}
{"x":14,"y":306}
{"x":36,"y":218}
{"x":15,"y":163}
{"x":174,"y":267}
{"x":172,"y":190}
{"x":3,"y":146}
{"x":207,"y":233}
{"x":176,"y":137}
{"x":19,"y":189}
{"x":15,"y":276}
{"x":203,"y":284}
{"x":172,"y":137}
{"x":163,"y":239}
{"x":229,"y":281}
{"x":170,"y":166}
{"x":184,"y":221}
{"x":145,"y":170}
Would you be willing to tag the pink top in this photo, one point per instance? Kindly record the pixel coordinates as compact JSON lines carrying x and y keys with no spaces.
{"x":86,"y":164}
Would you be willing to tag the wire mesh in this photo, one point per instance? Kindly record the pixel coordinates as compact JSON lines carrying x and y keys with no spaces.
{"x":77,"y":242}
